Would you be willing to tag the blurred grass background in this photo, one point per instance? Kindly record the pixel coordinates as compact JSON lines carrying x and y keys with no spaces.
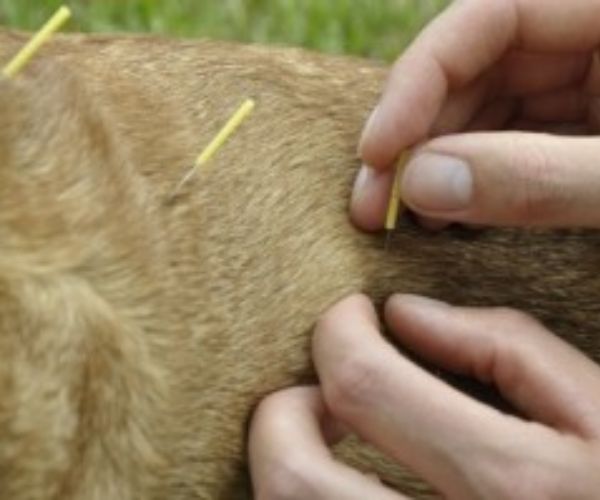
{"x":371,"y":28}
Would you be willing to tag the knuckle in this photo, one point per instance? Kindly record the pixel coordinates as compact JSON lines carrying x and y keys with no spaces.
{"x":538,"y":193}
{"x":327,"y":322}
{"x":333,"y":322}
{"x":289,"y":479}
{"x":353,"y":384}
{"x":272,"y":415}
{"x":518,"y":332}
{"x":516,"y":338}
{"x":331,"y":317}
{"x":269,"y":408}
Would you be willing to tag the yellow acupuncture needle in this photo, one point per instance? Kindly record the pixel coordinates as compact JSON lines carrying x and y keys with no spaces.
{"x":395,"y":205}
{"x":229,"y":128}
{"x":40,"y":38}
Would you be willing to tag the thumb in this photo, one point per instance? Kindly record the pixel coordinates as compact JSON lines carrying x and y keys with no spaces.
{"x":506,"y":178}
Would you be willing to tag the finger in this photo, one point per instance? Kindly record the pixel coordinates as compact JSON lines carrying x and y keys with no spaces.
{"x":460,"y":107}
{"x":400,"y":408}
{"x":433,"y":225}
{"x":525,"y":73}
{"x":463,"y":448}
{"x":370,"y":197}
{"x":509,"y":178}
{"x":538,"y":372}
{"x":572,"y":129}
{"x":289,"y":457}
{"x":565,"y":105}
{"x":372,"y":187}
{"x":457,"y":47}
{"x":561,"y":129}
{"x":494,"y":116}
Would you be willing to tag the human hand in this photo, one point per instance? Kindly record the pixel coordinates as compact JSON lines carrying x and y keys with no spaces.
{"x":497,"y":65}
{"x":463,"y":448}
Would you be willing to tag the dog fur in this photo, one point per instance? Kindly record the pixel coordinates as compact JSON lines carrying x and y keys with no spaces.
{"x":138,"y":332}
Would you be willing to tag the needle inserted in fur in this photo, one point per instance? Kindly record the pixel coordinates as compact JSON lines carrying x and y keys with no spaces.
{"x":395,"y":205}
{"x":230,"y":127}
{"x":23,"y":57}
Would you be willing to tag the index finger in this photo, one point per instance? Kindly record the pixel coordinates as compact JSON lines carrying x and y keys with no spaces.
{"x":394,"y":404}
{"x":457,"y":47}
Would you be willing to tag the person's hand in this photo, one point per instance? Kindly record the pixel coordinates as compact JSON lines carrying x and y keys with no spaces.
{"x":488,"y":66}
{"x":463,"y":448}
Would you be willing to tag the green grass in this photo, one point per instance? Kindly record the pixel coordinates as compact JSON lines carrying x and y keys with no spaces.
{"x":372,"y":28}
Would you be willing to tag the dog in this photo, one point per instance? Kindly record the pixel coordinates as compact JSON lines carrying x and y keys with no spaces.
{"x":138,"y":329}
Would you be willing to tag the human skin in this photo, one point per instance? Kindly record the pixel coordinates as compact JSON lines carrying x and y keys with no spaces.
{"x":463,"y":448}
{"x":503,"y":69}
{"x":481,"y":95}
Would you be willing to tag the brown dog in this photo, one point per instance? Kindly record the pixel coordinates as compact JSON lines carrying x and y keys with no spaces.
{"x":137,"y":332}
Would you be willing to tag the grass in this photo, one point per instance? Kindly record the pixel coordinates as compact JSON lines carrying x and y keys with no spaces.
{"x":372,"y":28}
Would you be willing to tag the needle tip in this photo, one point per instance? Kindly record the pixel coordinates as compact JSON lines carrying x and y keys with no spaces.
{"x":388,"y":240}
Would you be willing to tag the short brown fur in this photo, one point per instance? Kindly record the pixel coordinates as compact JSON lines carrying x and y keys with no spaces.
{"x":137,"y":334}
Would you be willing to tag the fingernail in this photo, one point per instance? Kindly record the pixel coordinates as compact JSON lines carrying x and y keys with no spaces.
{"x":363,"y":184}
{"x":370,"y":126}
{"x":437,"y":183}
{"x":419,"y":301}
